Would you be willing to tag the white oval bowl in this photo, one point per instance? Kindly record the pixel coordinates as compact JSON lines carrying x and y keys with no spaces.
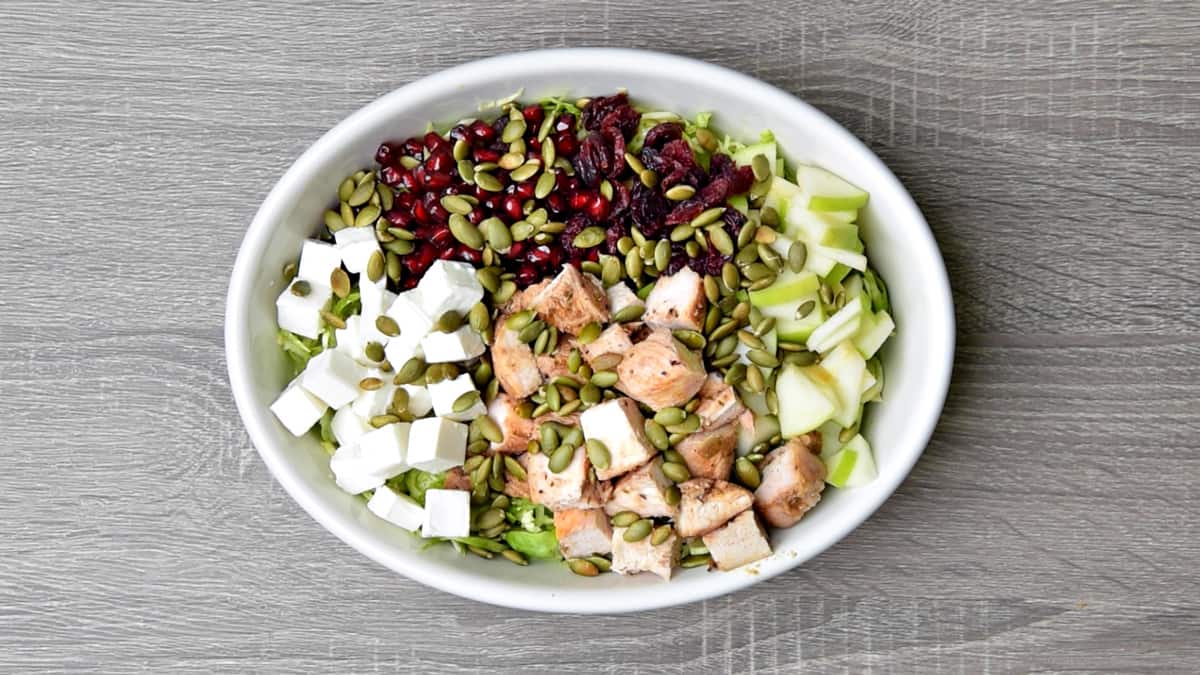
{"x":917,"y":359}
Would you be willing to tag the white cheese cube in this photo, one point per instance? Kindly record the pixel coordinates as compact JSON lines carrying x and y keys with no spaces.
{"x":350,"y":341}
{"x":461,"y":345}
{"x":396,"y":508}
{"x":409,"y":312}
{"x":446,"y":392}
{"x":356,"y":245}
{"x":370,"y":403}
{"x":447,"y":513}
{"x":399,"y":350}
{"x":449,"y":285}
{"x":419,"y":400}
{"x":351,"y":470}
{"x":384,"y":449}
{"x":317,"y":261}
{"x":375,"y":299}
{"x":302,"y":315}
{"x":349,"y":426}
{"x":436,"y":444}
{"x":332,"y":377}
{"x":619,"y":425}
{"x":297,"y":409}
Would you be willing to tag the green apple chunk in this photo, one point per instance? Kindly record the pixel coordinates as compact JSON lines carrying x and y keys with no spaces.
{"x":873,"y":331}
{"x":841,"y":326}
{"x":828,"y":192}
{"x":746,"y":155}
{"x":851,"y":466}
{"x":841,"y":235}
{"x":781,"y":195}
{"x":789,"y":288}
{"x":829,"y":438}
{"x":846,"y":366}
{"x":808,"y":399}
{"x":765,"y":426}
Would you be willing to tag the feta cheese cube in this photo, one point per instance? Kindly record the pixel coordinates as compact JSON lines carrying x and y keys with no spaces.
{"x":370,"y":403}
{"x":356,"y":245}
{"x":375,"y":299}
{"x":349,"y":426}
{"x":396,"y":508}
{"x":461,"y":345}
{"x":408,"y":311}
{"x":449,"y":285}
{"x":398,"y":352}
{"x":351,"y":470}
{"x":302,"y":315}
{"x":619,"y":425}
{"x":317,"y":261}
{"x":419,"y":400}
{"x":350,"y":340}
{"x":436,"y":444}
{"x":446,"y":392}
{"x":332,"y":377}
{"x":384,"y":449}
{"x":447,"y":513}
{"x":297,"y":409}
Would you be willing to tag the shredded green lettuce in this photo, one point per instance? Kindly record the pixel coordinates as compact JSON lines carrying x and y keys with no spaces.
{"x":416,"y":482}
{"x":479,"y":542}
{"x":531,"y":517}
{"x":298,"y":349}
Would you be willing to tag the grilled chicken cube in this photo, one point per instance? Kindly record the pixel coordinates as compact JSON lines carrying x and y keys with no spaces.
{"x":554,"y":364}
{"x":517,"y":430}
{"x":707,"y":504}
{"x":572,"y":488}
{"x":739,"y":542}
{"x":792,"y":480}
{"x":620,"y":297}
{"x":571,"y":301}
{"x":513,"y":362}
{"x":582,"y":532}
{"x":660,"y":371}
{"x":677,"y":301}
{"x":643,"y":492}
{"x":523,"y":299}
{"x":456,"y":479}
{"x":614,"y":340}
{"x":517,"y":487}
{"x":709,"y":454}
{"x":719,"y":403}
{"x":643,"y":555}
{"x":619,"y":425}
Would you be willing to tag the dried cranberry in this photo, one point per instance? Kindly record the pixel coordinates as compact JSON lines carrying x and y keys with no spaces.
{"x":600,"y":107}
{"x":663,"y":133}
{"x":734,"y":220}
{"x":620,"y":200}
{"x":624,"y":120}
{"x":615,"y":231}
{"x":714,"y":193}
{"x":685,"y":212}
{"x":648,"y":208}
{"x":592,"y":162}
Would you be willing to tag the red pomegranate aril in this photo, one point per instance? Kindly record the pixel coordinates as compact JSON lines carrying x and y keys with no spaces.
{"x":482,"y":132}
{"x":441,"y":238}
{"x":528,"y":274}
{"x":399,"y":217}
{"x":476,"y":216}
{"x":525,"y":190}
{"x":565,"y":121}
{"x":580,"y":200}
{"x":539,"y":254}
{"x":485,"y":155}
{"x":469,"y":255}
{"x":434,"y":141}
{"x":437,"y":181}
{"x":533,"y":114}
{"x":516,"y":249}
{"x":459,"y":131}
{"x":599,"y":208}
{"x":438,"y":213}
{"x":404,"y":200}
{"x":440,"y":161}
{"x":414,"y":147}
{"x":535,"y":146}
{"x":387,"y":153}
{"x":512,"y":207}
{"x":420,"y":213}
{"x":446,"y":253}
{"x":566,"y":144}
{"x":555,"y":203}
{"x":491,"y":201}
{"x":390,"y":175}
{"x":408,"y":180}
{"x":419,"y":260}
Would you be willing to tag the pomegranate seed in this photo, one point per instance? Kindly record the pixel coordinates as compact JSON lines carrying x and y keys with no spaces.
{"x":476,"y":216}
{"x":437,"y":181}
{"x":460,"y":132}
{"x":387,"y":153}
{"x":525,"y":190}
{"x":491,"y":201}
{"x":485,"y":155}
{"x":517,"y":249}
{"x":446,"y":253}
{"x":408,"y":180}
{"x":512,"y":207}
{"x":413,"y":147}
{"x":400,"y":217}
{"x":539,"y":254}
{"x":556,"y":256}
{"x":404,"y":200}
{"x":420,"y":213}
{"x":527,"y":274}
{"x":390,"y":175}
{"x":580,"y":200}
{"x":439,"y":161}
{"x":565,"y":121}
{"x":441,"y":238}
{"x":599,"y":208}
{"x":481,"y":132}
{"x":533,"y":114}
{"x":435,"y":142}
{"x":535,"y":147}
{"x":555,"y":203}
{"x":566,"y":144}
{"x":470,"y":255}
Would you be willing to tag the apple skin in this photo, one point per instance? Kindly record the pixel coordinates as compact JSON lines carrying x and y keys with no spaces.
{"x":790,"y":287}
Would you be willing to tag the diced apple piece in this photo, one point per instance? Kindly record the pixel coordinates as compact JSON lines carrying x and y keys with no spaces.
{"x":781,"y":195}
{"x":810,"y":396}
{"x":739,"y":202}
{"x":850,"y":259}
{"x":851,"y":466}
{"x":789,"y":287}
{"x":840,"y":235}
{"x":762,"y":429}
{"x":873,"y":331}
{"x":828,"y":192}
{"x":841,"y":326}
{"x":829,"y":438}
{"x":746,"y":155}
{"x":846,"y":366}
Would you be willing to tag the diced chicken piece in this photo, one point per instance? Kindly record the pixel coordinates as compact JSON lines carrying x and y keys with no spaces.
{"x":572,"y":488}
{"x":660,"y":371}
{"x":518,"y":487}
{"x":677,"y":301}
{"x":643,"y":492}
{"x":571,"y":302}
{"x":643,"y":555}
{"x":709,"y":454}
{"x":620,"y":297}
{"x":523,"y":299}
{"x":582,"y":532}
{"x":457,"y":479}
{"x":571,"y":420}
{"x":513,"y":362}
{"x":554,"y":364}
{"x":619,"y":425}
{"x":707,"y":504}
{"x":792,"y":479}
{"x":739,"y":542}
{"x":517,"y":430}
{"x":614,"y":340}
{"x":719,"y":403}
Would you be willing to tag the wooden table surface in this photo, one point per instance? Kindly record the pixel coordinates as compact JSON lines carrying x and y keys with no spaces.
{"x":1051,"y":525}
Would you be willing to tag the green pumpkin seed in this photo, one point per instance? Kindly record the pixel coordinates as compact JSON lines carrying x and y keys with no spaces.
{"x":361,"y":194}
{"x":583,"y":567}
{"x":561,"y":458}
{"x":695,"y":561}
{"x":762,"y":358}
{"x":301,"y":288}
{"x":740,"y":312}
{"x":466,"y":401}
{"x":379,"y":421}
{"x":759,"y":190}
{"x":545,"y":185}
{"x":769,"y":217}
{"x":387,"y":325}
{"x":370,"y":383}
{"x":489,"y":519}
{"x":707,"y":139}
{"x":662,"y":254}
{"x":628,"y":314}
{"x":761,"y":167}
{"x":346,"y":213}
{"x":570,"y":406}
{"x":513,"y":130}
{"x":367,"y":216}
{"x":648,"y":177}
{"x":690,"y":338}
{"x":660,"y":534}
{"x":607,"y":361}
{"x":764,"y":326}
{"x":656,"y":434}
{"x":374,"y":351}
{"x":522,"y":230}
{"x":680,"y":192}
{"x":466,"y":171}
{"x":826,"y":294}
{"x":756,"y":271}
{"x":541,"y":342}
{"x":598,"y":454}
{"x":514,"y":468}
{"x":610,"y":271}
{"x":511,"y":160}
{"x":805,"y":358}
{"x":499,"y":237}
{"x":552,"y":227}
{"x":514,"y":557}
{"x":624,"y":519}
{"x":805,"y":308}
{"x":465,"y":232}
{"x":399,"y":404}
{"x":525,"y":171}
{"x":634,"y":163}
{"x":633,"y":264}
{"x":531,"y":331}
{"x":708,"y":216}
{"x":604,"y":378}
{"x":333,"y":220}
{"x":487,"y":181}
{"x":489,"y":278}
{"x":670,"y":416}
{"x":682,"y":232}
{"x":638,"y":531}
{"x":606,"y":189}
{"x":457,"y":204}
{"x":412,"y":369}
{"x":721,"y":240}
{"x":448,"y":322}
{"x":730,"y":276}
{"x":393,"y":266}
{"x":548,"y":435}
{"x":672,"y":495}
{"x":839,"y":300}
{"x":339,"y":281}
{"x":750,"y":340}
{"x":772,"y":399}
{"x":590,"y":394}
{"x":735,"y":374}
{"x":399,"y":247}
{"x":375,"y":266}
{"x":601,"y":563}
{"x":797,"y":255}
{"x":461,"y":149}
{"x":754,"y":380}
{"x":591,"y":267}
{"x":725,"y":347}
{"x":478,"y":317}
{"x":505,"y":292}
{"x":574,"y":360}
{"x":332,"y":319}
{"x":519,"y":320}
{"x":346,"y":188}
{"x":589,"y":237}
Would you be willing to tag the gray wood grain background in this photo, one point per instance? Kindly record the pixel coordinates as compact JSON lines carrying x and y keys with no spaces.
{"x":1051,"y":526}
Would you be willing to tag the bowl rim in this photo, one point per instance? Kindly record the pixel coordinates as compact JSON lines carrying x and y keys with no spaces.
{"x":498,"y":591}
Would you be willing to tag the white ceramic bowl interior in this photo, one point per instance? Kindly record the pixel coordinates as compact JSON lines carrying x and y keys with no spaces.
{"x":918,"y":359}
